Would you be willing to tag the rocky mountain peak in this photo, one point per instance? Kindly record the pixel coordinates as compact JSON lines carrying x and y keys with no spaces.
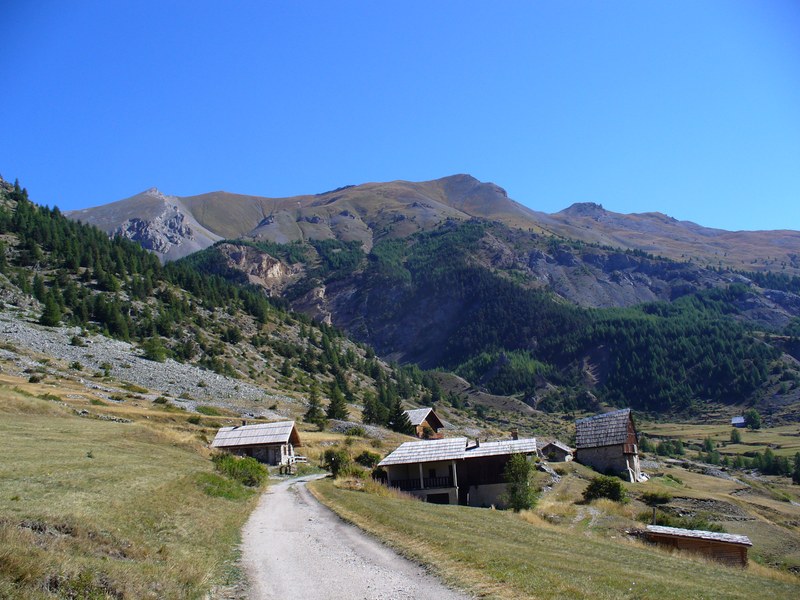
{"x":587,"y":209}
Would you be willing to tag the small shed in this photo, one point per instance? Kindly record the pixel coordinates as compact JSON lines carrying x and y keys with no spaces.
{"x":609,"y":443}
{"x":738,"y":422}
{"x":426,"y":423}
{"x":555,"y":451}
{"x":270,"y":443}
{"x":724,"y":547}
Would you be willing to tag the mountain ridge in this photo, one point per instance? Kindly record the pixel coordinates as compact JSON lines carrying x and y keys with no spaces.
{"x":373,"y":211}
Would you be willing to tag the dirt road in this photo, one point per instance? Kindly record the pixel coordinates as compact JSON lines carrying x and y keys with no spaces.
{"x":293,"y":547}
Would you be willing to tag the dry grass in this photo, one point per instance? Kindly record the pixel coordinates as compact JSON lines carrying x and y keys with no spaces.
{"x":96,"y":507}
{"x":497,"y":554}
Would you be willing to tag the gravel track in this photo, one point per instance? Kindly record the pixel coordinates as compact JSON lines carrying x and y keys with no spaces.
{"x":293,"y":547}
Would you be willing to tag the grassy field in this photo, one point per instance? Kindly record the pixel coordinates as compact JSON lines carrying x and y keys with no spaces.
{"x":498,"y":554}
{"x":784,"y":440}
{"x":93,"y":508}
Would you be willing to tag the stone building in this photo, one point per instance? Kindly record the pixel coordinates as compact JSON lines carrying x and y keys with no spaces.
{"x":608,"y":443}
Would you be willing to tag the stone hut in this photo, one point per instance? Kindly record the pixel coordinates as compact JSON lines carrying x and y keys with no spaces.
{"x":555,"y":451}
{"x":608,"y":443}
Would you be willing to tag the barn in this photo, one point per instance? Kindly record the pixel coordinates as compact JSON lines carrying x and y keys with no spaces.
{"x":426,"y":423}
{"x":724,"y":547}
{"x":270,"y":443}
{"x":608,"y":443}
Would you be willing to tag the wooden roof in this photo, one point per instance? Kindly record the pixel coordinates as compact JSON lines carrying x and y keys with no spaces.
{"x":455,"y":449}
{"x":728,"y":538}
{"x":257,"y":435}
{"x":607,"y":429}
{"x":523,"y":446}
{"x":418,"y":415}
{"x":558,"y":445}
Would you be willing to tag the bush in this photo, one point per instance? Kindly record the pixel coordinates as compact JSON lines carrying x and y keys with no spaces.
{"x":656,"y":498}
{"x":194,"y":419}
{"x":35,"y":378}
{"x":605,"y":487}
{"x":160,"y":400}
{"x":518,"y":495}
{"x":209,"y":411}
{"x":247,"y":471}
{"x":335,"y":461}
{"x":368,"y":459}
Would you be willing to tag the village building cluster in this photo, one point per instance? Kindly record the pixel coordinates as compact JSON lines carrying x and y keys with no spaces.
{"x":459,"y":470}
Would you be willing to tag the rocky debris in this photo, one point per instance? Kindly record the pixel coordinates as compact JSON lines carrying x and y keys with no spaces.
{"x":169,"y":378}
{"x":350,"y":427}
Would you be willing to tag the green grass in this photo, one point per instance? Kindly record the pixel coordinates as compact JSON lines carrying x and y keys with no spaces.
{"x":498,"y":554}
{"x":90,"y":507}
{"x":209,"y":411}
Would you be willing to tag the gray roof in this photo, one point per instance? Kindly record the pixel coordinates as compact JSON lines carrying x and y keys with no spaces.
{"x":557,"y":444}
{"x":427,"y":451}
{"x":523,"y":446}
{"x":454,"y":449}
{"x":607,"y":429}
{"x":702,"y":535}
{"x":252,"y":435}
{"x":417,"y":415}
{"x":737,"y":420}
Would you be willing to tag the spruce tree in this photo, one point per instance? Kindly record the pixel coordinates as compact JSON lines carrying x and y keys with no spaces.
{"x":337,"y":409}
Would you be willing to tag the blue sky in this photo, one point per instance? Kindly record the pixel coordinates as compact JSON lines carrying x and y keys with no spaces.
{"x":687,"y":108}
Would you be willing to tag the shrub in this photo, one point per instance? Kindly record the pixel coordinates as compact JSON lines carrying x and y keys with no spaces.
{"x":217,"y":486}
{"x":605,"y":487}
{"x":160,"y":400}
{"x":655,"y":498}
{"x":518,"y":495}
{"x":208,"y":411}
{"x":335,"y":461}
{"x":736,"y":437}
{"x":76,"y":366}
{"x":35,"y":378}
{"x":247,"y":471}
{"x":76,"y":341}
{"x":752,"y":419}
{"x":368,"y":459}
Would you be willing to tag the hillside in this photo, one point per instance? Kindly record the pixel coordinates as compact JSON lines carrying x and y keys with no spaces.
{"x":176,"y":226}
{"x":88,"y":304}
{"x":506,"y":310}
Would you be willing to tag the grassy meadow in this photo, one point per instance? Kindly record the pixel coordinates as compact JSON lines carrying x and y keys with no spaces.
{"x":93,"y":508}
{"x":499,"y":554}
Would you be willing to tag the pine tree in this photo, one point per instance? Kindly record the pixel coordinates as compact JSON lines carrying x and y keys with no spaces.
{"x":398,"y":420}
{"x":51,"y":316}
{"x":314,"y":413}
{"x":337,"y":409}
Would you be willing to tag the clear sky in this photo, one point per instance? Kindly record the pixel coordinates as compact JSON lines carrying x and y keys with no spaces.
{"x":687,"y":108}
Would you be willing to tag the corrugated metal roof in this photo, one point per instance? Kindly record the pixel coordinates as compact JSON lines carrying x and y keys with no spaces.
{"x":523,"y":446}
{"x":417,"y":415}
{"x":427,"y":451}
{"x":607,"y":429}
{"x":454,"y":449}
{"x":700,"y":534}
{"x":251,"y":435}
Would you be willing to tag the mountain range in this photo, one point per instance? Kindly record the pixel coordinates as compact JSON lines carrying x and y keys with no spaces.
{"x":174,"y":227}
{"x":561,"y":311}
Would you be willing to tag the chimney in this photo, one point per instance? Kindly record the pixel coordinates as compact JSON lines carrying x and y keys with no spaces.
{"x":244,"y":422}
{"x":477,"y":443}
{"x":514,"y":434}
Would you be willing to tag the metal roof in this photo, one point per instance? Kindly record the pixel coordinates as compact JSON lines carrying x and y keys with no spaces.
{"x":253,"y":435}
{"x":700,"y":534}
{"x":427,"y":451}
{"x":607,"y":429}
{"x":523,"y":446}
{"x":737,"y":421}
{"x":454,"y":449}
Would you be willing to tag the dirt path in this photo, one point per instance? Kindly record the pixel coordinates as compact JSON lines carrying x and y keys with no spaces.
{"x":293,"y":547}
